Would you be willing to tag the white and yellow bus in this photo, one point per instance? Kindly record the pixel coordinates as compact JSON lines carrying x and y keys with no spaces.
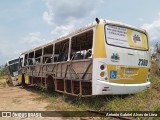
{"x":12,"y":71}
{"x":102,"y":58}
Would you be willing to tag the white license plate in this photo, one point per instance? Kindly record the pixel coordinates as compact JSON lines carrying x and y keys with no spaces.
{"x":129,"y":71}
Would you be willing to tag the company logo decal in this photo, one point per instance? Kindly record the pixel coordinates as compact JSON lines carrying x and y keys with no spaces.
{"x":136,"y":38}
{"x":115,"y":57}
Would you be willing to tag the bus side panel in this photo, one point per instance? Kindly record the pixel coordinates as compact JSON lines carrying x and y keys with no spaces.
{"x":20,"y":78}
{"x":26,"y":79}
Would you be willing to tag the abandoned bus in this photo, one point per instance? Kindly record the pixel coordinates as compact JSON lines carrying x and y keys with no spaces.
{"x":12,"y":71}
{"x":102,"y":58}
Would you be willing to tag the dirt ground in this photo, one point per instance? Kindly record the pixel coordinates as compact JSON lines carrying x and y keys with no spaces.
{"x":19,"y":99}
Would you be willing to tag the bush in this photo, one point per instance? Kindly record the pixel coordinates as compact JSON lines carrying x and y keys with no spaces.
{"x":2,"y":71}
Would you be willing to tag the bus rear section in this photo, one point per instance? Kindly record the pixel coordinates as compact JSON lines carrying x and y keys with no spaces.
{"x":124,"y":67}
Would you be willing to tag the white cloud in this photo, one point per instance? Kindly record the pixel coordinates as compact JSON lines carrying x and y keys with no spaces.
{"x":140,"y":19}
{"x":12,"y":50}
{"x":64,"y":15}
{"x":34,"y":39}
{"x":153,"y":29}
{"x":48,"y":18}
{"x":6,"y":55}
{"x":66,"y":12}
{"x":61,"y":30}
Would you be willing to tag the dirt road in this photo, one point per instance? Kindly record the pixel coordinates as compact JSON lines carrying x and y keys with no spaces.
{"x":19,"y":99}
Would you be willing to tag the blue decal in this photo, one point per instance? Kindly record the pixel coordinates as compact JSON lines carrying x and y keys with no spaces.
{"x":113,"y":74}
{"x":115,"y":56}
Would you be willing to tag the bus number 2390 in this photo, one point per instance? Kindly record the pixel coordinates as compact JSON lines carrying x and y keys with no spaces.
{"x":143,"y":62}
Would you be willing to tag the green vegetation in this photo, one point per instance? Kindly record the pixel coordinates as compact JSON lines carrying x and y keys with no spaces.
{"x":2,"y":72}
{"x":148,"y":100}
{"x":3,"y":77}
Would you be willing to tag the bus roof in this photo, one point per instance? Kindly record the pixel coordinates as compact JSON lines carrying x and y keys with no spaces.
{"x":12,"y":61}
{"x":85,"y":28}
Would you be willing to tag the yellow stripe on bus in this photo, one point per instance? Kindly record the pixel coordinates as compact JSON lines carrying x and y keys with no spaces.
{"x":99,"y":44}
{"x":26,"y":79}
{"x":19,"y":78}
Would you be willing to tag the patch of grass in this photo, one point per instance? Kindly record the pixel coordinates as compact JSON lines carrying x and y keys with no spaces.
{"x":45,"y":95}
{"x":16,"y":101}
{"x":3,"y":77}
{"x":142,"y":101}
{"x":2,"y":85}
{"x":58,"y":102}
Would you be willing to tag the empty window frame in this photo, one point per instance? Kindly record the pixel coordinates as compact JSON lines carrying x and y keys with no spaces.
{"x":61,"y":51}
{"x":47,"y":54}
{"x":81,"y":46}
{"x":20,"y":62}
{"x":31,"y":59}
{"x":38,"y":56}
{"x":25,"y":59}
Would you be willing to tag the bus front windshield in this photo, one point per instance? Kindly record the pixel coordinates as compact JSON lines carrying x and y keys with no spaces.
{"x":13,"y":67}
{"x":125,"y":37}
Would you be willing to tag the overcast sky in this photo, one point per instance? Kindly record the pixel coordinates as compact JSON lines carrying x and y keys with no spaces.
{"x":25,"y":24}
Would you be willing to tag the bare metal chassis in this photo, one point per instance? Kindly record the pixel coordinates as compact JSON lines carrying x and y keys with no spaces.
{"x":69,"y":77}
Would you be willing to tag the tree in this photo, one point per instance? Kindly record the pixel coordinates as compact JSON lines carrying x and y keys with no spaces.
{"x":2,"y":70}
{"x":158,"y":54}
